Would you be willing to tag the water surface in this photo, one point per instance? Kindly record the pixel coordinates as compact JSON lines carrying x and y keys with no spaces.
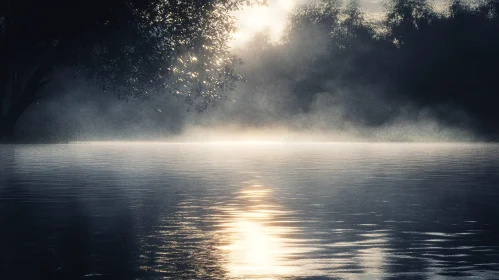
{"x":249,"y":211}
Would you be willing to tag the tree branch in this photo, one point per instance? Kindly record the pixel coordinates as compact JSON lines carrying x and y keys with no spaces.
{"x":36,"y":81}
{"x":3,"y":86}
{"x":28,"y":94}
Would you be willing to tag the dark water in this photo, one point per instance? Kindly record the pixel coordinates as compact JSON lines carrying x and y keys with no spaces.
{"x":247,"y":211}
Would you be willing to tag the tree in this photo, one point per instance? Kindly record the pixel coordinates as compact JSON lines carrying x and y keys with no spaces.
{"x":405,"y":17}
{"x":132,"y":47}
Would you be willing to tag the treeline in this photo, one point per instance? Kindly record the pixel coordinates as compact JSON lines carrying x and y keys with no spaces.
{"x":443,"y":59}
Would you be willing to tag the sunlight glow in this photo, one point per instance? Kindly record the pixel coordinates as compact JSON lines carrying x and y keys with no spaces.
{"x":271,"y":18}
{"x":341,"y":144}
{"x":245,"y":142}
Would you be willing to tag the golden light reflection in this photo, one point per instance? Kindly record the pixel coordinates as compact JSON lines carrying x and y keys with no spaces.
{"x":259,"y":244}
{"x":257,"y":247}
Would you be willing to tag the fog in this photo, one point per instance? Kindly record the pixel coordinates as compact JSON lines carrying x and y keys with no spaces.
{"x":308,"y":86}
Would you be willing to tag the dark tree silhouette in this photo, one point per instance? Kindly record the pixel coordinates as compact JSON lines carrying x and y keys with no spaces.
{"x":448,"y":58}
{"x":132,"y":47}
{"x":416,"y":56}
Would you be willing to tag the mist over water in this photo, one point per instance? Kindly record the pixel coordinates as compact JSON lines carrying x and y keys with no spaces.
{"x":81,"y":115}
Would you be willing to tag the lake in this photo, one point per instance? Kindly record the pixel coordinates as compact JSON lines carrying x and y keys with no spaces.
{"x":249,"y":210}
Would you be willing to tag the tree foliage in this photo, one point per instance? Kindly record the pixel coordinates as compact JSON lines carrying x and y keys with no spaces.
{"x":132,"y":47}
{"x":415,"y":55}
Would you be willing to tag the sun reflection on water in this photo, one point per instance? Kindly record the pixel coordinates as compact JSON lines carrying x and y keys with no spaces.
{"x":256,"y":246}
{"x":261,"y":240}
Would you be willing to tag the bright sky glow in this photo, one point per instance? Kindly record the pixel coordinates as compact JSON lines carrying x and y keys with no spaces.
{"x":272,"y":18}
